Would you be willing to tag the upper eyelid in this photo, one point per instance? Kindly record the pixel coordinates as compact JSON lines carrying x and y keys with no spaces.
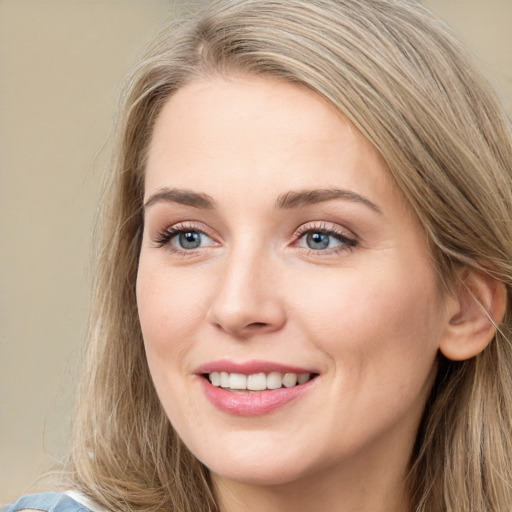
{"x":325,"y":227}
{"x":187,"y":225}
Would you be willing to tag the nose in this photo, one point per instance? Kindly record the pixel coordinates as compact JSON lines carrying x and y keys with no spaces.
{"x":248,"y":298}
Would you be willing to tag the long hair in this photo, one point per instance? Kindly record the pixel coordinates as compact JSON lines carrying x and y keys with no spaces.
{"x":409,"y":87}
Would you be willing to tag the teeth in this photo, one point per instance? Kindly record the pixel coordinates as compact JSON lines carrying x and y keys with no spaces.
{"x":289,"y":380}
{"x":224,"y":379}
{"x":215,"y":378}
{"x":274,"y":380}
{"x":237,"y":381}
{"x":303,"y":378}
{"x":257,"y":381}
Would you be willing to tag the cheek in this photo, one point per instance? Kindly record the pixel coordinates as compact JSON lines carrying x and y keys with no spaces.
{"x":168,"y":304}
{"x":170,"y":315}
{"x":379,"y":322}
{"x":380,"y":335}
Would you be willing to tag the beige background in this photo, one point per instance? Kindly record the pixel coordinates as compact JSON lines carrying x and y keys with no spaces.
{"x":61,"y":63}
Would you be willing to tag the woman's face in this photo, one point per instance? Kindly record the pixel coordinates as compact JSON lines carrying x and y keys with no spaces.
{"x":277,"y":248}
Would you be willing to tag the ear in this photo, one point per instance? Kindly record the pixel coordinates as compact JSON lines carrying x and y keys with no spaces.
{"x":474,"y":311}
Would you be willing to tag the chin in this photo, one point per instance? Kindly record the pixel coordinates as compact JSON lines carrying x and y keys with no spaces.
{"x":257,"y":472}
{"x":270,"y":463}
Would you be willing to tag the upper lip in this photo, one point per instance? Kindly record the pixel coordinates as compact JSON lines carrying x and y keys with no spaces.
{"x":249,"y":367}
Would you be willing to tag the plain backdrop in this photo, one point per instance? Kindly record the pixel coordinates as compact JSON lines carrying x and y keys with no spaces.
{"x":61,"y":64}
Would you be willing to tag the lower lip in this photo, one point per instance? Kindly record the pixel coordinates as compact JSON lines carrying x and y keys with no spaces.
{"x":255,"y":403}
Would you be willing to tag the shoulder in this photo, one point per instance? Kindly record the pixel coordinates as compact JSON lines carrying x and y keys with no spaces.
{"x":47,"y":502}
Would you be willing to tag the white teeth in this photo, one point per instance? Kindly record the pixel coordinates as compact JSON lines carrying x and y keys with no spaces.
{"x":274,"y":380}
{"x":215,"y":378}
{"x":224,"y":379}
{"x":257,"y":381}
{"x":289,"y":380}
{"x":237,"y":381}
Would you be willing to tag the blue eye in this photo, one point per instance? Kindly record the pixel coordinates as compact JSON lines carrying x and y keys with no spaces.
{"x":318,"y":241}
{"x":189,"y":240}
{"x":183,"y":238}
{"x":324,"y":240}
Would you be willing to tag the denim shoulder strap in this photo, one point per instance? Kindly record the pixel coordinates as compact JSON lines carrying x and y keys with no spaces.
{"x":47,"y":502}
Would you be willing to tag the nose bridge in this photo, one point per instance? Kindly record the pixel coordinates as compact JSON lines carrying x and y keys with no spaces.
{"x":246,"y":299}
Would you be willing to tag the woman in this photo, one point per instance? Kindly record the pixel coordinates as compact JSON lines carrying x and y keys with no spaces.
{"x":303,"y":271}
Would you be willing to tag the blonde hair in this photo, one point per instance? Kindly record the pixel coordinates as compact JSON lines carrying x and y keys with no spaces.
{"x":406,"y":83}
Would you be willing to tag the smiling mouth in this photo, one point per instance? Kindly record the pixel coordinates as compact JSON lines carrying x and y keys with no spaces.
{"x":239,"y":382}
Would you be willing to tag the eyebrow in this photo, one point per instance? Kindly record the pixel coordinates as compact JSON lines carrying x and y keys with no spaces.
{"x":296,"y":199}
{"x":289,"y":200}
{"x":186,"y":197}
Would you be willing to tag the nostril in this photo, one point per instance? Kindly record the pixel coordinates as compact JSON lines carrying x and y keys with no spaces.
{"x":256,"y":325}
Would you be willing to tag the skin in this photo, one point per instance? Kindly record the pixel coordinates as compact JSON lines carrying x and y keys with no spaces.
{"x":369,"y":317}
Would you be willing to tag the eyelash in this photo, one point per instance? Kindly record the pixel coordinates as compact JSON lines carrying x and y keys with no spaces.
{"x":165,"y":236}
{"x":347,"y":243}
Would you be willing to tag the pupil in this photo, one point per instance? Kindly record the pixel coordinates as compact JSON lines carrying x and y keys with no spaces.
{"x":190,"y":240}
{"x":317,"y":240}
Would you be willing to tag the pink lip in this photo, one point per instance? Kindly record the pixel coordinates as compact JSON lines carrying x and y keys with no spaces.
{"x":254,"y":403}
{"x":249,"y":367}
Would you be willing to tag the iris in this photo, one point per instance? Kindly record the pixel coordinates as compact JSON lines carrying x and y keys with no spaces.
{"x":318,"y":240}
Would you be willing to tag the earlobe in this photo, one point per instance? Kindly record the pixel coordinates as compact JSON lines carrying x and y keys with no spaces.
{"x":474,"y":313}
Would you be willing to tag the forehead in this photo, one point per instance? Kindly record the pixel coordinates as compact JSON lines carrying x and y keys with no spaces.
{"x":259,"y":133}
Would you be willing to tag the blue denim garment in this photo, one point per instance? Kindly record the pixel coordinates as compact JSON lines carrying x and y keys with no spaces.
{"x":46,"y":501}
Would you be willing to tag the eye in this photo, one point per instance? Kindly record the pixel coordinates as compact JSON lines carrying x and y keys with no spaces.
{"x":189,"y":239}
{"x":180,"y":238}
{"x":324,"y":239}
{"x":319,"y":241}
